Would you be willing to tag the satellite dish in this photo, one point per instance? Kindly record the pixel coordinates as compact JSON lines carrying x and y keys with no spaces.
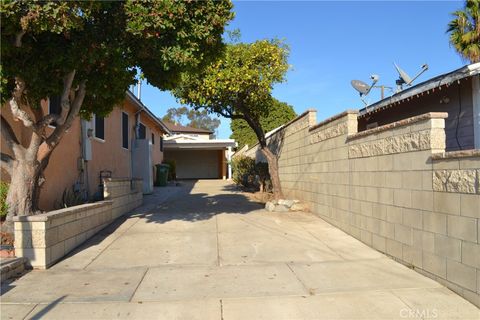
{"x":403,"y":75}
{"x":363,"y":88}
{"x":360,"y":86}
{"x":404,"y":78}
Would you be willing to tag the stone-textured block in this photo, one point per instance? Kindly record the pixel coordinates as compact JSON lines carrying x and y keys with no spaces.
{"x":462,"y":228}
{"x":462,"y":181}
{"x":462,"y":275}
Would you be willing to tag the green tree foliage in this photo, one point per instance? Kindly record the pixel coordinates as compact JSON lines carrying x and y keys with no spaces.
{"x":88,"y":52}
{"x":192,"y":118}
{"x":464,"y":31}
{"x":279,"y":114}
{"x":239,"y":86}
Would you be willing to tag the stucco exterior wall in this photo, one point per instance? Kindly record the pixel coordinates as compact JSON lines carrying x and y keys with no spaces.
{"x":393,"y":188}
{"x":64,"y":171}
{"x":65,"y":155}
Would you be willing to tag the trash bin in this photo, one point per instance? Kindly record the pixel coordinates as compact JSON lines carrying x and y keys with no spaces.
{"x":162,"y":175}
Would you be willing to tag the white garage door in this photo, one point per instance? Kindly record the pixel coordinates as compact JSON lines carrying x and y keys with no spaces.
{"x":195,"y":164}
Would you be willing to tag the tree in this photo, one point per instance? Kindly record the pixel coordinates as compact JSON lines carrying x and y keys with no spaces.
{"x":196,"y":118}
{"x":88,"y":52}
{"x":464,"y":31}
{"x":279,"y":113}
{"x":238,"y":86}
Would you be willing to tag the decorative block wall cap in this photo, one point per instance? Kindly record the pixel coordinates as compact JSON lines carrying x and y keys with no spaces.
{"x":472,"y":153}
{"x":62,"y":212}
{"x":333,"y":118}
{"x":400,"y":123}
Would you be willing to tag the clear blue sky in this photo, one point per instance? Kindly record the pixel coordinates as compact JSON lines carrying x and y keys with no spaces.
{"x":332,"y":43}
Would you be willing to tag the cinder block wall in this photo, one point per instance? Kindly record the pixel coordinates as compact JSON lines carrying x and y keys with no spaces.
{"x":45,"y":238}
{"x":125,"y":193}
{"x":393,"y":188}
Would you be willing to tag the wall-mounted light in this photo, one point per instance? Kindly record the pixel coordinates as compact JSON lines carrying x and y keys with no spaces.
{"x":90,"y":132}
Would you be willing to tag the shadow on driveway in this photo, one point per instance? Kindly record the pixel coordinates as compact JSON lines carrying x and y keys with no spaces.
{"x":187,"y":205}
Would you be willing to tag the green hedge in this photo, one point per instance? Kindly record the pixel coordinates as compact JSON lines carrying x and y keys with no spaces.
{"x":3,"y":197}
{"x":249,"y":174}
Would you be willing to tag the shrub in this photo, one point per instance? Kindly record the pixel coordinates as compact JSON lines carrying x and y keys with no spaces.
{"x":172,"y":171}
{"x":243,"y":171}
{"x":70,"y":198}
{"x":250,"y":174}
{"x":3,"y":199}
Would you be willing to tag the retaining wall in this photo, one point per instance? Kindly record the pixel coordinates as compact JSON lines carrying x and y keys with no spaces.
{"x":45,"y":238}
{"x":392,"y":187}
{"x":126,"y":194}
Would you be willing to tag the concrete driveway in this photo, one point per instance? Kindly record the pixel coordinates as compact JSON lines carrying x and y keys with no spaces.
{"x":203,"y":251}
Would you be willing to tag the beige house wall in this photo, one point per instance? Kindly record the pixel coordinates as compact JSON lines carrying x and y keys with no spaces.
{"x":63,"y":170}
{"x":393,"y":188}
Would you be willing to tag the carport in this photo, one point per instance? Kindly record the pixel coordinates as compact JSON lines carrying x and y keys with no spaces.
{"x":198,"y":158}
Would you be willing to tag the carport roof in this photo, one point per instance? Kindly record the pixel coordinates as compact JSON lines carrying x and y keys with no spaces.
{"x":187,"y":142}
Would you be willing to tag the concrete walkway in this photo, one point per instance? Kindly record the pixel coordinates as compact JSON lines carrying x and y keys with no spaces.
{"x":209,"y":253}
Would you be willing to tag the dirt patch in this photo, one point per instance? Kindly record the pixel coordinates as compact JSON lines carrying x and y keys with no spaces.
{"x":262,"y":197}
{"x":7,"y":239}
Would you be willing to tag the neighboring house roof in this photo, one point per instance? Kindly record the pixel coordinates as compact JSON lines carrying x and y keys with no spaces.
{"x":176,"y":128}
{"x":420,"y":89}
{"x":183,"y":141}
{"x":142,"y":107}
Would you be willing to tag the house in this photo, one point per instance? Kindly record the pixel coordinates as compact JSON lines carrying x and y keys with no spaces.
{"x":126,"y":144}
{"x":456,"y":92}
{"x":196,"y":154}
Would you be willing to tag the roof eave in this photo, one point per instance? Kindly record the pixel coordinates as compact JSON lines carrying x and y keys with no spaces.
{"x":142,"y":107}
{"x":438,"y":81}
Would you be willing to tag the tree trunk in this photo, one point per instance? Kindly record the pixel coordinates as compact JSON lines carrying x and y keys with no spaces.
{"x":272,"y":160}
{"x":21,"y":193}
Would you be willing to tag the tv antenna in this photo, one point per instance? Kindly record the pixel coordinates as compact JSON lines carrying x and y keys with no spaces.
{"x":364,"y":89}
{"x":405,"y":79}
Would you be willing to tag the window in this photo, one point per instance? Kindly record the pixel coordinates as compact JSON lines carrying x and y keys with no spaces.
{"x":161,"y":144}
{"x":124,"y":130}
{"x":99,"y":127}
{"x":153,"y":138}
{"x":142,"y":131}
{"x":55,"y":107}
